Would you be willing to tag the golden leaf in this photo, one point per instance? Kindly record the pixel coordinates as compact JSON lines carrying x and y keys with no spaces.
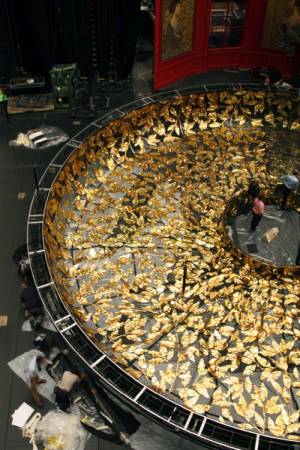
{"x":271,"y":406}
{"x":259,"y":420}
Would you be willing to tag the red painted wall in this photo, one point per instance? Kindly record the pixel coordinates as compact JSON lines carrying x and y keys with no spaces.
{"x":201,"y":59}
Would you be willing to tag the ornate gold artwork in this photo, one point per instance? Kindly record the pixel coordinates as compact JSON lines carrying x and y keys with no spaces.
{"x":135,"y":241}
{"x":177,"y":19}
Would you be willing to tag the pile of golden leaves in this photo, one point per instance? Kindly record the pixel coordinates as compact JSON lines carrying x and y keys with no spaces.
{"x":135,"y":240}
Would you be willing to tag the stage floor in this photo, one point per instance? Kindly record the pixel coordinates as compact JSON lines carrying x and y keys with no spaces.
{"x":283,"y":249}
{"x":136,"y":244}
{"x":16,"y":176}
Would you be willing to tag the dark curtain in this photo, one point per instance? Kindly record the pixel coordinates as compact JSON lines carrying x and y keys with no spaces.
{"x":73,"y":43}
{"x":8,"y":55}
{"x":100,"y":35}
{"x":128,"y":25}
{"x":117,"y":22}
{"x":36,"y":25}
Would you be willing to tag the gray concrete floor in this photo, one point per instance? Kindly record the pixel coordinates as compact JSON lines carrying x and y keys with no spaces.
{"x":16,"y":176}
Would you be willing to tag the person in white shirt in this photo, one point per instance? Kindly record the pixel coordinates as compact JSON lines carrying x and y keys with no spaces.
{"x":64,"y":387}
{"x":289,"y":183}
{"x":32,"y":378}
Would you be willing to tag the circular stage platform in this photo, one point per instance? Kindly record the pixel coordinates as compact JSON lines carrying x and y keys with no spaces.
{"x":134,"y":238}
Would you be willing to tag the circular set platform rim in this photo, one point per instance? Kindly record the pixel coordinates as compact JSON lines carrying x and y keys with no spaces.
{"x":68,"y":327}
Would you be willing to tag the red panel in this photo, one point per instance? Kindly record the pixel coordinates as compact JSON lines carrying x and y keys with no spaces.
{"x":223,"y":58}
{"x":201,"y":59}
{"x":254,"y":24}
{"x":166,"y":72}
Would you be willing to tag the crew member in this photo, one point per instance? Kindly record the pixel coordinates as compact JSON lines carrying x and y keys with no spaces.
{"x":257,"y":211}
{"x":4,"y":103}
{"x":64,"y":387}
{"x":289,"y":183}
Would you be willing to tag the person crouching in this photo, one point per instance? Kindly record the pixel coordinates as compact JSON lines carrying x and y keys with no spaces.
{"x":64,"y":387}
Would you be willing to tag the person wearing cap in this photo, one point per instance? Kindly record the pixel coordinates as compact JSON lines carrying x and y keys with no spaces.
{"x":4,"y":103}
{"x":289,"y":183}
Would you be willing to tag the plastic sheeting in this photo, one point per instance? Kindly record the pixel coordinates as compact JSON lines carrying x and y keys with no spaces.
{"x":18,"y":365}
{"x":47,"y":324}
{"x":60,"y":431}
{"x":39,"y":138}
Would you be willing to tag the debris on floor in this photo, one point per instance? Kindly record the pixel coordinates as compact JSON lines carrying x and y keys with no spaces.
{"x":40,"y":138}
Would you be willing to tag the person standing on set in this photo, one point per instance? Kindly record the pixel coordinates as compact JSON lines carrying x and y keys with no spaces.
{"x":253,"y":190}
{"x":289,"y":183}
{"x":257,"y":211}
{"x":4,"y":103}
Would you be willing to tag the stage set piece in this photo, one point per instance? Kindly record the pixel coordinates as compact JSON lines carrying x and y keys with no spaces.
{"x":140,"y":245}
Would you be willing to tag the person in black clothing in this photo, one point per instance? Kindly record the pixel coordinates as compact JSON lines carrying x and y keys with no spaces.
{"x":298,"y":257}
{"x":253,"y":190}
{"x":44,"y":344}
{"x":30,"y":300}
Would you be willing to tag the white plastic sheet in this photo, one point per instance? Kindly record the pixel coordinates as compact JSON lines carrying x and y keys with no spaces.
{"x":21,"y":362}
{"x":46,"y":324}
{"x":39,"y":138}
{"x":61,"y":431}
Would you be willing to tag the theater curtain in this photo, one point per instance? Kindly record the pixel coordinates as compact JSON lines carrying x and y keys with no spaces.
{"x":62,"y":31}
{"x":118,"y":22}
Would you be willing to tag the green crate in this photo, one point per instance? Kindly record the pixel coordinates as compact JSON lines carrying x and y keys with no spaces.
{"x":64,"y":80}
{"x":62,"y":102}
{"x":65,"y":75}
{"x":66,"y":91}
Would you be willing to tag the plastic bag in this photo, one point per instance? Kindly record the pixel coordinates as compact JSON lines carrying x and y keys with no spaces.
{"x":39,"y":138}
{"x":61,"y":431}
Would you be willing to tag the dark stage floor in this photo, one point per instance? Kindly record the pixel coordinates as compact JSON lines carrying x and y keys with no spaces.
{"x":17,"y":177}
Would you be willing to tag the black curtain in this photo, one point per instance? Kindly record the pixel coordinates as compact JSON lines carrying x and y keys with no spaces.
{"x":100,"y":35}
{"x":8,"y":56}
{"x":73,"y":43}
{"x":35,"y":24}
{"x":117,"y":22}
{"x":128,"y":24}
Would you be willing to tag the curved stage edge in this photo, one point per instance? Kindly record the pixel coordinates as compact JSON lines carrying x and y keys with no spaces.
{"x":167,"y":413}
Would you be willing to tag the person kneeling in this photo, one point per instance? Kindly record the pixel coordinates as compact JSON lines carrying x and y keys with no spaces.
{"x":64,"y":387}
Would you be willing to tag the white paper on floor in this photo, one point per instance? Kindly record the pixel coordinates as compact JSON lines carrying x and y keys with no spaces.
{"x":18,"y":365}
{"x":21,"y":415}
{"x":46,"y":324}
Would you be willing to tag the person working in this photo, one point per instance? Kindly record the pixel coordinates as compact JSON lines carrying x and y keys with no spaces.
{"x":257,"y":211}
{"x":32,"y":378}
{"x":289,"y":184}
{"x":64,"y":387}
{"x":4,"y":103}
{"x":31,"y":304}
{"x":253,"y":190}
